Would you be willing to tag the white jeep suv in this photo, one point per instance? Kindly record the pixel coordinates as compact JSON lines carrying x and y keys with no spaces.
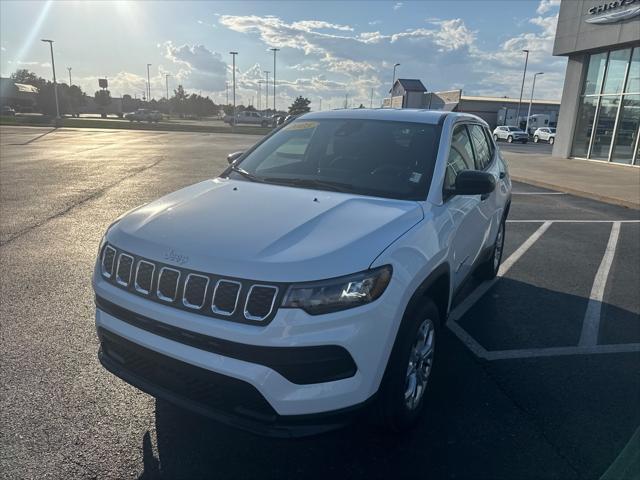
{"x":548,"y":134}
{"x":311,"y":278}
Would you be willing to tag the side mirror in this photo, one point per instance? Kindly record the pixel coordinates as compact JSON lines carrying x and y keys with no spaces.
{"x":473,"y":182}
{"x":232,"y":157}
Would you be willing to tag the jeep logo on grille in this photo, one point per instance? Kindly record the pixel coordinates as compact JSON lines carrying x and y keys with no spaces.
{"x":172,"y":256}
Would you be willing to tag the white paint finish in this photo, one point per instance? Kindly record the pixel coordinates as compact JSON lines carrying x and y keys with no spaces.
{"x":591,"y":322}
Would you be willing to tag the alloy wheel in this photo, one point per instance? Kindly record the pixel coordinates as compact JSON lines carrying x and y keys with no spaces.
{"x":420,"y":364}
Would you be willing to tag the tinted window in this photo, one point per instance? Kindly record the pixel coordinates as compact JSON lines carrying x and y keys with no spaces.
{"x":460,"y":156}
{"x":480,"y":147}
{"x":489,"y":137}
{"x":367,"y":157}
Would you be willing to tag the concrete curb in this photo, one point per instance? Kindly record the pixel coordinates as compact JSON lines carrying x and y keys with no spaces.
{"x":579,"y":193}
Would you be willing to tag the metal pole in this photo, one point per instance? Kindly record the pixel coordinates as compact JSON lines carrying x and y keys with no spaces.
{"x":166,"y":82}
{"x":371,"y":105}
{"x":148,"y":83}
{"x":233,"y":54}
{"x":524,"y":74}
{"x":320,"y":104}
{"x":226,"y":84}
{"x":526,"y":129}
{"x":69,"y":68}
{"x":55,"y":84}
{"x":394,"y":77}
{"x":266,"y":102}
{"x":274,"y":78}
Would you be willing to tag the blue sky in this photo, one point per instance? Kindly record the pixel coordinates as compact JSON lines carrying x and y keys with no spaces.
{"x":328,"y":49}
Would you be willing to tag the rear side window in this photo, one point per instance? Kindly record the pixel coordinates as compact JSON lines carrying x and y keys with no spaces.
{"x":489,"y":137}
{"x":460,"y":156}
{"x":480,"y":147}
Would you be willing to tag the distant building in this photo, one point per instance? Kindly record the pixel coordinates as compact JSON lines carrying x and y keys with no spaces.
{"x":406,"y":93}
{"x":20,"y":96}
{"x":600,"y":112}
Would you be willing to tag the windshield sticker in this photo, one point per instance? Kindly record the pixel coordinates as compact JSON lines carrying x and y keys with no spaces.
{"x":301,"y":126}
{"x":415,"y":177}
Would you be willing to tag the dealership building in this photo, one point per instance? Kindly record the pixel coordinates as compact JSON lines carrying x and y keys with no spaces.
{"x":599,"y":115}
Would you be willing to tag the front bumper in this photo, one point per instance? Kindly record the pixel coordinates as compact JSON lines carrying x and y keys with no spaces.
{"x":365,"y":333}
{"x":222,"y":398}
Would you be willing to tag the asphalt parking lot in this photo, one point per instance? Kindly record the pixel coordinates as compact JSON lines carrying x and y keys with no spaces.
{"x":541,"y":376}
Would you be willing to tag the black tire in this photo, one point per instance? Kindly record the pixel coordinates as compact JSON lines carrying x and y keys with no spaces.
{"x":535,"y":139}
{"x":509,"y":139}
{"x":489,"y":269}
{"x":393,"y":409}
{"x":495,"y":137}
{"x":551,"y":140}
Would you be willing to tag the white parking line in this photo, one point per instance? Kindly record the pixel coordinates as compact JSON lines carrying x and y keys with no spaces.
{"x":538,"y":193}
{"x":574,"y":221}
{"x":591,"y":322}
{"x":558,"y":351}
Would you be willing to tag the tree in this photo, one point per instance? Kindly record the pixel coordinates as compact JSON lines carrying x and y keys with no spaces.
{"x":25,"y":76}
{"x":299,"y":106}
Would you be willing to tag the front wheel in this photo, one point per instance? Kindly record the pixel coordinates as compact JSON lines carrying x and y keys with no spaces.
{"x":489,"y":269}
{"x":406,"y":380}
{"x":509,"y":139}
{"x":495,"y":137}
{"x":551,"y":140}
{"x":535,"y":139}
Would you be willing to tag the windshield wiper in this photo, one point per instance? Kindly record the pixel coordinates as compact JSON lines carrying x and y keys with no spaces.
{"x":311,"y":183}
{"x":246,"y":174}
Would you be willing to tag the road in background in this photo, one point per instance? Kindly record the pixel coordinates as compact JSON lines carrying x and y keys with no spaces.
{"x":532,"y":412}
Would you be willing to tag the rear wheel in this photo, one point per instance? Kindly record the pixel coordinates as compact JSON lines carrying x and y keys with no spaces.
{"x":509,"y":139}
{"x":406,"y":380}
{"x":535,"y":139}
{"x":489,"y":269}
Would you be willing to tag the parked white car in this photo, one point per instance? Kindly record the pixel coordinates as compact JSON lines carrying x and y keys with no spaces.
{"x":312,"y":278}
{"x":547,"y":134}
{"x":248,"y":118}
{"x":510,"y":134}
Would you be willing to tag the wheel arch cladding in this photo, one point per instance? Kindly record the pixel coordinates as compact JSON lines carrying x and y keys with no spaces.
{"x":436,"y":287}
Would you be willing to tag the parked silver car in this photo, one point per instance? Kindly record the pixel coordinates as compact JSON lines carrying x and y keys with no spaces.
{"x":547,"y":134}
{"x":510,"y":134}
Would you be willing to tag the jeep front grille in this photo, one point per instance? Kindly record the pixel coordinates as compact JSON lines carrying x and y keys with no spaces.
{"x":204,"y":293}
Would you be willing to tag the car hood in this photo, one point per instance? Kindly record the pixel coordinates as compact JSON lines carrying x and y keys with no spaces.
{"x":265,"y":232}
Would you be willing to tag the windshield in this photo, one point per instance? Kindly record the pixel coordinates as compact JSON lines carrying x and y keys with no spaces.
{"x":513,"y":129}
{"x":366,"y":157}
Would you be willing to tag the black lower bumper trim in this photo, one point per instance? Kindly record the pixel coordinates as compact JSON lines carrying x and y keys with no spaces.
{"x":222,"y":398}
{"x":300,"y":365}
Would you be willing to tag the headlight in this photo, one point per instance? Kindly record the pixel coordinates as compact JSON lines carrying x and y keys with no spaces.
{"x":339,"y":293}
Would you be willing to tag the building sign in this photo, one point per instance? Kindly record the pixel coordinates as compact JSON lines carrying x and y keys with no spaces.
{"x":613,"y":11}
{"x":102,"y":82}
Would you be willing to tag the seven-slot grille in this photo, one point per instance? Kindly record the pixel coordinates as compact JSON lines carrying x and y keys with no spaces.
{"x":206,"y":294}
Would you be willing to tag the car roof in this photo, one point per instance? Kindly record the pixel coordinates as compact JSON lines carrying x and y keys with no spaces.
{"x":389,"y":114}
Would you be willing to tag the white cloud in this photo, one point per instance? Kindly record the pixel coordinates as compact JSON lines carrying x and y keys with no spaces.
{"x":375,"y":22}
{"x":546,"y":5}
{"x":398,"y":5}
{"x":310,"y":25}
{"x":201,"y":68}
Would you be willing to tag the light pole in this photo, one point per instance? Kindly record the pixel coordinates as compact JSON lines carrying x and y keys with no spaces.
{"x":233,"y":54}
{"x":394,"y":77}
{"x":148,"y":83}
{"x":266,"y":101}
{"x":274,"y":50}
{"x":371,"y":104}
{"x":166,"y":84}
{"x":526,"y":129}
{"x":55,"y":85}
{"x":524,"y":74}
{"x":260,"y":94}
{"x":69,"y":68}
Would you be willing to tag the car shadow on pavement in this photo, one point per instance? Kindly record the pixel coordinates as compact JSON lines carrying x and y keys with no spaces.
{"x":477,"y":422}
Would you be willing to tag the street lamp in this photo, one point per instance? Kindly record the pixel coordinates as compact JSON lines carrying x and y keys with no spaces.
{"x":148,"y":83}
{"x":233,"y":54}
{"x":274,"y":50}
{"x":266,"y":101}
{"x":69,"y":68}
{"x":524,"y":74}
{"x":526,"y":129}
{"x":55,"y":85}
{"x":166,"y":82}
{"x":394,"y":76}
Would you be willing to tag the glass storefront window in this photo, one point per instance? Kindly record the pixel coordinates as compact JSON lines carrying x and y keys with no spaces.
{"x":595,"y":73}
{"x":616,"y":71}
{"x":584,"y":122}
{"x":604,"y":128}
{"x":627,"y":133}
{"x":633,"y":82}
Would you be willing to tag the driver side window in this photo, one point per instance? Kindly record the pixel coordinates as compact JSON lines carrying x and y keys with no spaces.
{"x":460,"y":156}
